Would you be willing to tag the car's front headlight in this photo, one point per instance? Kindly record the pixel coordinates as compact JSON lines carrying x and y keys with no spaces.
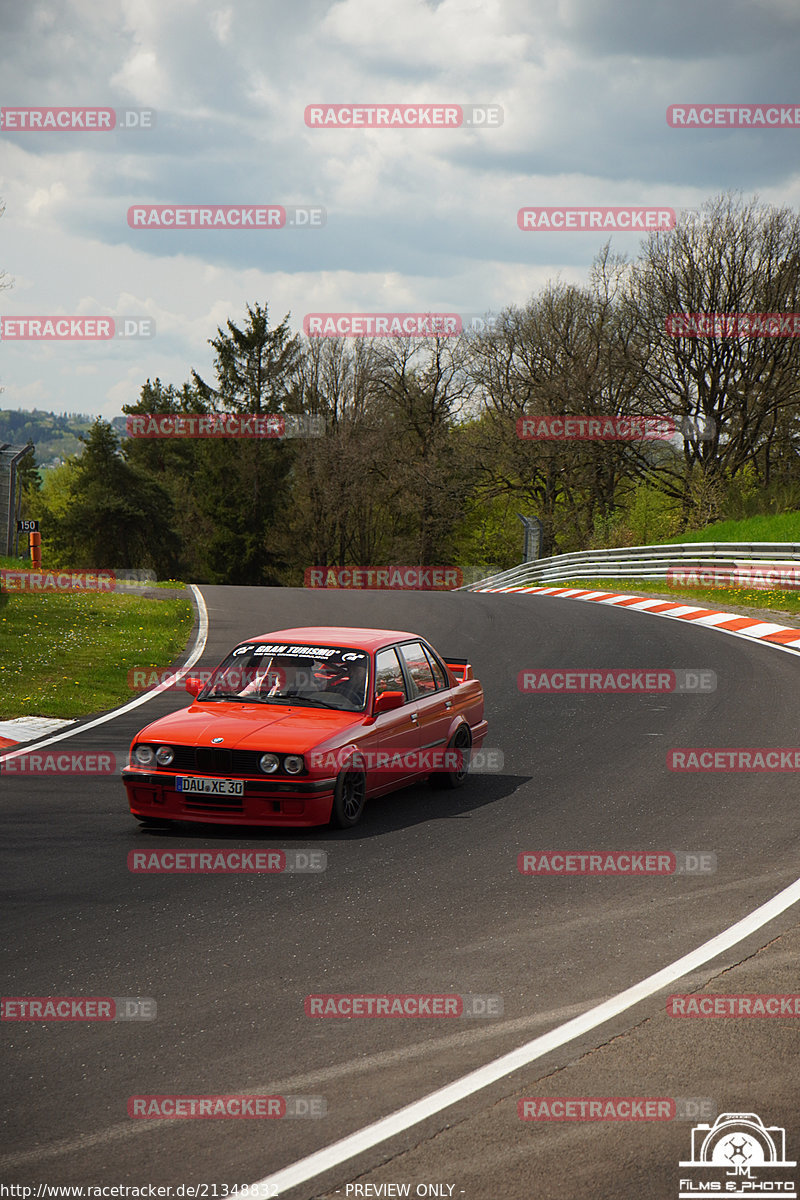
{"x":269,"y":763}
{"x":143,"y":756}
{"x":164,"y":755}
{"x":293,"y":764}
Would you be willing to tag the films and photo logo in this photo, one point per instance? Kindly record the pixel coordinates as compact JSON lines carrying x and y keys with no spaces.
{"x":739,"y":1156}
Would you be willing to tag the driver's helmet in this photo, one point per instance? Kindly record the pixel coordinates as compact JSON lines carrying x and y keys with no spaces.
{"x":331,"y":674}
{"x":356,"y":673}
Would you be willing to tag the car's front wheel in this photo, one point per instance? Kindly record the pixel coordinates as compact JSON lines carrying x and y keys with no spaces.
{"x":349,"y":798}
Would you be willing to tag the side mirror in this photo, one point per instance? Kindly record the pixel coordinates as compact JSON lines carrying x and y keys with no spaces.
{"x":387,"y":701}
{"x":194,"y":684}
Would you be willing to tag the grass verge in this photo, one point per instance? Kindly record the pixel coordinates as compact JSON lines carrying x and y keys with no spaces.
{"x":68,"y":655}
{"x":775,"y":527}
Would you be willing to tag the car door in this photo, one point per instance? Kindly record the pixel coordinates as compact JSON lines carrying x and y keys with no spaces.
{"x":433,"y":694}
{"x":398,"y":730}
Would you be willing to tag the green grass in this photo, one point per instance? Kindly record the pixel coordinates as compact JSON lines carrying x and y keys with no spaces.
{"x":23,"y":564}
{"x":68,"y":655}
{"x":780,"y":527}
{"x":775,"y":599}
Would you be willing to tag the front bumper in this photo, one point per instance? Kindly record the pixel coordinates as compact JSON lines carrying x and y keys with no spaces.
{"x":295,"y":802}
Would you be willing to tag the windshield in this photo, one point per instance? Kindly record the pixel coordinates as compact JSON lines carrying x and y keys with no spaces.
{"x":317,"y":676}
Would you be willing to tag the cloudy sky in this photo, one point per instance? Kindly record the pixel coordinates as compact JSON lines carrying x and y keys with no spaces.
{"x":416,"y":219}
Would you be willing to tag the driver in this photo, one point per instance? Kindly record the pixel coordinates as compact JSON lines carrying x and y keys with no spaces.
{"x":353,"y":686}
{"x":294,"y":677}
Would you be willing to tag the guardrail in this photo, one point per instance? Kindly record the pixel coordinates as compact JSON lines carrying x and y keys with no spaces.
{"x":641,"y":562}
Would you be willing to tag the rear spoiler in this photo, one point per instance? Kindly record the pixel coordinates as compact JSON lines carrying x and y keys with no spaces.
{"x":459,"y":668}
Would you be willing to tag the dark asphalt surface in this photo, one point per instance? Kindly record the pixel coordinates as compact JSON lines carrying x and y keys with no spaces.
{"x":423,"y":896}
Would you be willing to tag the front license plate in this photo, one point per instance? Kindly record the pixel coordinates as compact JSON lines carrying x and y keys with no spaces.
{"x":209,"y":787}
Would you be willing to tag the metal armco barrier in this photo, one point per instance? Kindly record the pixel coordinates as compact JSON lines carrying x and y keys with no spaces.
{"x":642,"y":562}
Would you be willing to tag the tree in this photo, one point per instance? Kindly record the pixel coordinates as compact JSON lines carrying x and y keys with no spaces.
{"x":116,"y":516}
{"x":742,"y":257}
{"x":241,"y":485}
{"x":563,"y":353}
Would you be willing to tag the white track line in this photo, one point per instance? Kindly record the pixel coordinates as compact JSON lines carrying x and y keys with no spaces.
{"x":371,"y":1135}
{"x":199,"y":647}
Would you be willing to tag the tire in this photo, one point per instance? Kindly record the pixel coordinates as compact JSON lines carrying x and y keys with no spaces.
{"x":461,"y":740}
{"x":154,"y":822}
{"x":349,"y":798}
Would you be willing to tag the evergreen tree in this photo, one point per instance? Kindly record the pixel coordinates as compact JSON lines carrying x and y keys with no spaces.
{"x":117,"y":516}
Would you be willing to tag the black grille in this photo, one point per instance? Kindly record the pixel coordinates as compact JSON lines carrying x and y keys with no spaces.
{"x":213,"y":761}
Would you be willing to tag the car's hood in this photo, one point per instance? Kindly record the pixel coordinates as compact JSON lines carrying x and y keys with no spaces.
{"x":250,"y":726}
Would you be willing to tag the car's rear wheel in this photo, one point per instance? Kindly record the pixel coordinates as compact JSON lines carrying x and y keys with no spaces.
{"x":349,"y":798}
{"x":462,"y":742}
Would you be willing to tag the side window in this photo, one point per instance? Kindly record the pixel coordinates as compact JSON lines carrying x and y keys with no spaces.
{"x":388,"y":673}
{"x":438,"y":670}
{"x":419,"y":668}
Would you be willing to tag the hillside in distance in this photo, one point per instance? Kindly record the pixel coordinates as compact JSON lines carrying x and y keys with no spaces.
{"x":55,"y":435}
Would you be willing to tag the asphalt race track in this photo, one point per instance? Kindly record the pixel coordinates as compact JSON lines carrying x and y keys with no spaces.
{"x":423,"y":896}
